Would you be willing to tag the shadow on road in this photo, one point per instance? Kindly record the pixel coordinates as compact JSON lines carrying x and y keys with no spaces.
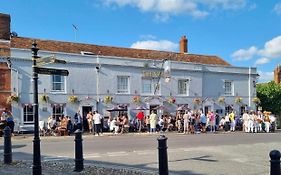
{"x":13,"y":146}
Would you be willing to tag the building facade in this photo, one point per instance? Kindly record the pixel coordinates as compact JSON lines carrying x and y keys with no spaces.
{"x":101,"y":77}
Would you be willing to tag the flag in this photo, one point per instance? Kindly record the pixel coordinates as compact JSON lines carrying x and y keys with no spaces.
{"x":74,"y":27}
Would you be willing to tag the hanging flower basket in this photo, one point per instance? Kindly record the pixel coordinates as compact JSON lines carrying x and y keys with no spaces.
{"x":107,"y":99}
{"x":136,"y":99}
{"x":256,"y":100}
{"x":171,"y":100}
{"x":44,"y":98}
{"x":12,"y":99}
{"x":221,"y":100}
{"x":238,"y":100}
{"x":72,"y":99}
{"x":197,"y":101}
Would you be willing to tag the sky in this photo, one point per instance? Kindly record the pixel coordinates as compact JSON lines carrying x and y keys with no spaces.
{"x":245,"y":33}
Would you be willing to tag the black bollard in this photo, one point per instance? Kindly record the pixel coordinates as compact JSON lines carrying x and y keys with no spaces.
{"x":274,"y":162}
{"x":162,"y":155}
{"x":7,"y":145}
{"x":79,"y":165}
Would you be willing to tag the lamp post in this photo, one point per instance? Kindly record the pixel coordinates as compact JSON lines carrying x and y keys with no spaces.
{"x":37,"y":169}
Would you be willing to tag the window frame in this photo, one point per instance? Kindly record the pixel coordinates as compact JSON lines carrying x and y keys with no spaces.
{"x":123,"y":91}
{"x":27,"y":114}
{"x":59,"y":114}
{"x":153,"y":83}
{"x":231,"y":93}
{"x":187,"y":86}
{"x":62,"y":86}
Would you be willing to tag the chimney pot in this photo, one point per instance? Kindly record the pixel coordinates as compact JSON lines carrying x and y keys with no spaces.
{"x":183,"y":44}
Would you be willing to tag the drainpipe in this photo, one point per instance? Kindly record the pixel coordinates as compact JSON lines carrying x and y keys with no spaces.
{"x":249,"y":86}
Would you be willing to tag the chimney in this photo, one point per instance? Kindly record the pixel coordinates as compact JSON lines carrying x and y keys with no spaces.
{"x":277,"y":74}
{"x":183,"y":44}
{"x":5,"y":21}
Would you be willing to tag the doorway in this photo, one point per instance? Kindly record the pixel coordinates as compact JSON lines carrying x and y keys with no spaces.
{"x":85,"y":111}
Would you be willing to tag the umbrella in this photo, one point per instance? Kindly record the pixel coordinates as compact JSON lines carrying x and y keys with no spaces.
{"x":182,"y":108}
{"x":117,"y":108}
{"x":140,"y":108}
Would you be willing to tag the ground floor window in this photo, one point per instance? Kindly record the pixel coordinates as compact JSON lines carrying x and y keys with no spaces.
{"x":58,"y":111}
{"x":28,"y":116}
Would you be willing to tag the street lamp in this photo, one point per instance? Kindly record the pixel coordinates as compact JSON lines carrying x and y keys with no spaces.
{"x":37,"y":169}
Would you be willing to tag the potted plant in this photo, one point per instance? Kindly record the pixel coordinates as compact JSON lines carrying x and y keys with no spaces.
{"x":72,"y":99}
{"x":12,"y":99}
{"x":238,"y":100}
{"x":171,"y":100}
{"x":221,"y":100}
{"x":197,"y":101}
{"x":108,"y":99}
{"x":136,"y":99}
{"x":256,"y":100}
{"x":44,"y":98}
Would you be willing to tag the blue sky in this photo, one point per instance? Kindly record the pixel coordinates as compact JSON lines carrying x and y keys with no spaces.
{"x":243,"y":32}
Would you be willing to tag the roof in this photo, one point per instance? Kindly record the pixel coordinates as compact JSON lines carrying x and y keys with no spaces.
{"x":70,"y":47}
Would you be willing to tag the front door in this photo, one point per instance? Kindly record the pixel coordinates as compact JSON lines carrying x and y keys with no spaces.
{"x":85,"y":111}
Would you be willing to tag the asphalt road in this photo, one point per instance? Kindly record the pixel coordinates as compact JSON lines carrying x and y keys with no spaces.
{"x":223,"y":153}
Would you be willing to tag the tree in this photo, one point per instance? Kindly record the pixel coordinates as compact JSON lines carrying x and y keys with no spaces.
{"x":270,"y":95}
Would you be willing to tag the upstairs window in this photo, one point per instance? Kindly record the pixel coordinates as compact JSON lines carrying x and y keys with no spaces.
{"x":122,"y":84}
{"x":183,"y":87}
{"x":150,"y":86}
{"x":228,"y":87}
{"x":58,"y":83}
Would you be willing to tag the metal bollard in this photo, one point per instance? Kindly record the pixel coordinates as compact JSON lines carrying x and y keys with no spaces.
{"x":162,"y":155}
{"x":79,"y":164}
{"x":274,"y":162}
{"x":7,"y":145}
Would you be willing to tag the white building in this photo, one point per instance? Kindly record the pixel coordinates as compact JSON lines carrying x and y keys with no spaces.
{"x":97,"y":73}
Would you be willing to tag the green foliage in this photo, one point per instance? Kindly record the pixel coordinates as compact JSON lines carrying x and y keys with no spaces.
{"x":270,"y":95}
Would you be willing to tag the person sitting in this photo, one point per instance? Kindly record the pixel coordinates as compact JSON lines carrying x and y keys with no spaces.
{"x":114,"y":126}
{"x":125,"y":124}
{"x":62,"y":126}
{"x":52,"y":125}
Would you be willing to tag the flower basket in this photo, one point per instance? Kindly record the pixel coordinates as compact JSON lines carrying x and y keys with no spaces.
{"x":256,"y":100}
{"x":136,"y":99}
{"x":44,"y":98}
{"x":107,"y":99}
{"x":221,"y":100}
{"x":12,"y":99}
{"x":171,"y":100}
{"x":197,"y":101}
{"x":238,"y":100}
{"x":72,"y":99}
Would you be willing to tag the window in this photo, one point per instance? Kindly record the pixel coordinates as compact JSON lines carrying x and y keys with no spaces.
{"x":57,"y":111}
{"x":58,"y":83}
{"x":228,"y":88}
{"x":228,"y":109}
{"x":183,"y":87}
{"x":123,"y":84}
{"x":150,"y":86}
{"x":28,"y":117}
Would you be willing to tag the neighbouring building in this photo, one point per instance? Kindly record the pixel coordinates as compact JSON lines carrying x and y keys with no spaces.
{"x":102,"y":77}
{"x":277,"y":74}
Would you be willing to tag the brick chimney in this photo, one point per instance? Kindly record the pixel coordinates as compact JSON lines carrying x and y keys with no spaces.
{"x":183,"y":44}
{"x":5,"y":31}
{"x":277,"y":74}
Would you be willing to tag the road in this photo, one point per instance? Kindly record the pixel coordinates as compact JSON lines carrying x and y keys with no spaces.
{"x":223,"y":153}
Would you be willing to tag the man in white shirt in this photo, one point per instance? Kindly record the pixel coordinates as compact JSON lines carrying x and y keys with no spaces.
{"x":97,"y":118}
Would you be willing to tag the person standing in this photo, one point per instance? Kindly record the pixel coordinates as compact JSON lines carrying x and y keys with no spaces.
{"x":97,"y":123}
{"x":152,"y":121}
{"x":77,"y":120}
{"x":186,"y":118}
{"x":232,"y":121}
{"x":140,"y":117}
{"x":8,"y":116}
{"x":90,"y":120}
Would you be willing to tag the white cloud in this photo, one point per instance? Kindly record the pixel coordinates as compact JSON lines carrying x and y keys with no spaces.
{"x":244,"y":54}
{"x":163,"y":45}
{"x":265,"y":76}
{"x":277,"y":8}
{"x":163,"y":9}
{"x":271,"y":50}
{"x":261,"y":61}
